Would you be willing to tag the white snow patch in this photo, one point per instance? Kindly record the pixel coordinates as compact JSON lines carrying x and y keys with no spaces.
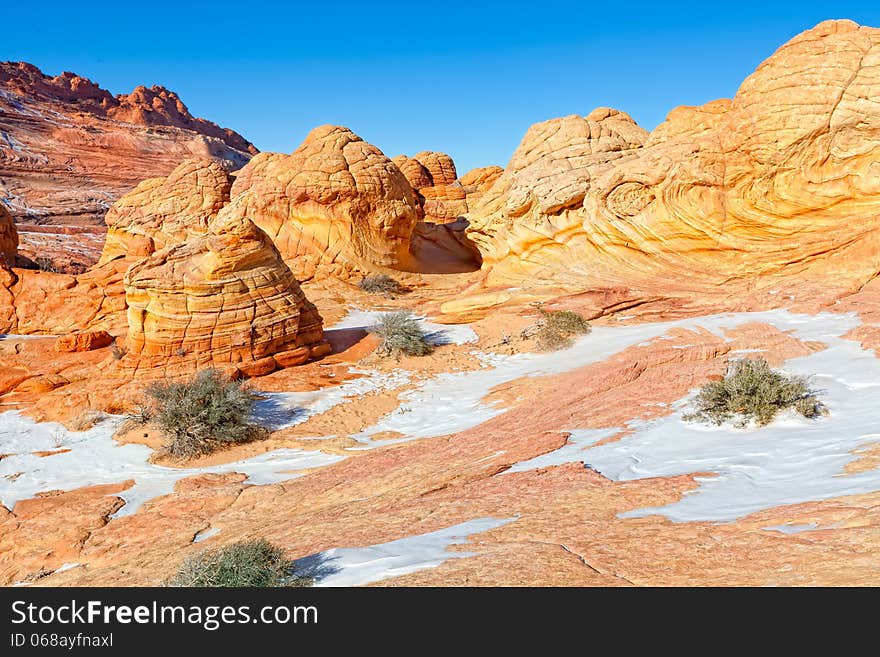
{"x":205,"y":534}
{"x":791,"y":461}
{"x":277,"y":410}
{"x":95,"y":458}
{"x":68,"y":566}
{"x":792,"y":529}
{"x":364,"y":565}
{"x":579,"y":441}
{"x":453,"y":402}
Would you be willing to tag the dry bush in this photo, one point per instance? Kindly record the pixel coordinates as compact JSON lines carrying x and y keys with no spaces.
{"x":382,"y":284}
{"x":203,"y":414}
{"x":401,"y":334}
{"x":752,"y":391}
{"x":255,"y":563}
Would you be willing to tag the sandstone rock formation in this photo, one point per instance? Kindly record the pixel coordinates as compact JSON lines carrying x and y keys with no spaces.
{"x":8,"y":238}
{"x":162,"y":212}
{"x":733,"y":197}
{"x":225,"y":297}
{"x":336,"y":201}
{"x":70,"y":148}
{"x":535,"y":206}
{"x":37,"y":302}
{"x":433,"y":176}
{"x":480,"y":179}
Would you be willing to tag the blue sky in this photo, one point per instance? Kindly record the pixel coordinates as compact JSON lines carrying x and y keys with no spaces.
{"x":464,"y":78}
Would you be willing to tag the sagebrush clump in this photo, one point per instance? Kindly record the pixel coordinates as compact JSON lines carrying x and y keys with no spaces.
{"x":245,"y":563}
{"x":752,"y":391}
{"x":200,"y":415}
{"x":557,"y":328}
{"x":401,"y":334}
{"x":381,"y":284}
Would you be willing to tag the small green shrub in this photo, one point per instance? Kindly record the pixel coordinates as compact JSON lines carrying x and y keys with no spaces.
{"x":557,"y":328}
{"x":401,"y":334}
{"x":200,"y":415}
{"x":245,"y":563}
{"x":381,"y":284}
{"x":751,"y":390}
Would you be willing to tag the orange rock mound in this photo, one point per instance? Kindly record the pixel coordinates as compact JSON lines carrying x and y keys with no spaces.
{"x":162,"y":212}
{"x":223,"y":297}
{"x":731,"y":198}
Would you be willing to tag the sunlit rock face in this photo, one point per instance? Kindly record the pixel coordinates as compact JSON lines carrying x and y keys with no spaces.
{"x":162,"y":212}
{"x":781,"y":182}
{"x":223,"y":297}
{"x":73,"y":148}
{"x":336,"y":202}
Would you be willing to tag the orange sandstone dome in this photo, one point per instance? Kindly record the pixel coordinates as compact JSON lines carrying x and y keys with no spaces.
{"x":223,"y":297}
{"x":335,"y":202}
{"x":779,"y":183}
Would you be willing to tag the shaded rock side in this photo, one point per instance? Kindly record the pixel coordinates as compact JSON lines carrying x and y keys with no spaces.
{"x":8,"y":238}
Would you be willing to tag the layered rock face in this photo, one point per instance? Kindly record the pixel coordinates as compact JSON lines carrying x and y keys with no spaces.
{"x":161,"y":212}
{"x":732,"y":197}
{"x":434,"y":177}
{"x":531,"y":211}
{"x":8,"y":238}
{"x":335,"y":202}
{"x":223,"y":297}
{"x":70,"y":149}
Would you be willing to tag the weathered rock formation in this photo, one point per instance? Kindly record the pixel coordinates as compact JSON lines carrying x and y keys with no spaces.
{"x":480,"y":179}
{"x":69,"y":149}
{"x":225,"y":297}
{"x":336,"y":202}
{"x":162,"y":212}
{"x":531,"y":210}
{"x":434,"y":177}
{"x":8,"y":238}
{"x":731,"y":198}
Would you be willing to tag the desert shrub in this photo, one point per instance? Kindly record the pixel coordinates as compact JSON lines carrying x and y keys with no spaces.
{"x":751,"y":390}
{"x":118,"y":352}
{"x":86,"y":420}
{"x":45,"y":263}
{"x":381,"y":284}
{"x":401,"y":334}
{"x":143,"y":413}
{"x":200,"y":415}
{"x":557,"y":328}
{"x":245,"y":563}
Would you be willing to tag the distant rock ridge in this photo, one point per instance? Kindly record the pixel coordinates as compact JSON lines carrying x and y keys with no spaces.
{"x":153,"y":106}
{"x":69,"y":149}
{"x":222,"y":298}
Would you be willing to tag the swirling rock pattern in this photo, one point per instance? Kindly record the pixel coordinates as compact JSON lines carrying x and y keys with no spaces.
{"x":336,"y":202}
{"x":161,"y":212}
{"x":225,"y":297}
{"x":729,"y":198}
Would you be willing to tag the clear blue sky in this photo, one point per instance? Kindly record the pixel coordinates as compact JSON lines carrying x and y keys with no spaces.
{"x":464,"y":78}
